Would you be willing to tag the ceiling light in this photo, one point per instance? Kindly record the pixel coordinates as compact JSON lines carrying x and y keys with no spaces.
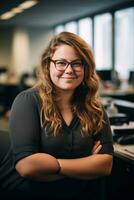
{"x":28,"y":4}
{"x":7,"y":15}
{"x":17,"y":10}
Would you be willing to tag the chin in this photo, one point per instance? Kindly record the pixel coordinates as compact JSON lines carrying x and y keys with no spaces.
{"x":67,"y":88}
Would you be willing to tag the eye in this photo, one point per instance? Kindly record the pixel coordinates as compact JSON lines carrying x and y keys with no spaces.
{"x":77,"y":64}
{"x":61,"y":63}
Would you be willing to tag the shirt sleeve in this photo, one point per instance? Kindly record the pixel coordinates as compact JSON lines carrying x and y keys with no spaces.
{"x":105,"y":137}
{"x":24,"y":126}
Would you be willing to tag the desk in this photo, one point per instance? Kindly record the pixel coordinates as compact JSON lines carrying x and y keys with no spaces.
{"x":125,"y":152}
{"x":123,"y":106}
{"x":124,"y":94}
{"x":120,"y":184}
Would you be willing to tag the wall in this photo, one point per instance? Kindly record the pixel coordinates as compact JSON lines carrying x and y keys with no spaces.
{"x":5,"y":46}
{"x":39,"y":38}
{"x":21,"y":47}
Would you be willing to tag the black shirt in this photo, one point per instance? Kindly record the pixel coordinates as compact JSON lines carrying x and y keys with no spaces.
{"x":28,"y":137}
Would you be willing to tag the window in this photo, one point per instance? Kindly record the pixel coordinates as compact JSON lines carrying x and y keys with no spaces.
{"x":59,"y":29}
{"x":71,"y":27}
{"x":103,"y":41}
{"x":124,"y":42}
{"x":85,"y":29}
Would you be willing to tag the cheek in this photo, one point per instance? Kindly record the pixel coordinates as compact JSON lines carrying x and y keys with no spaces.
{"x":54,"y":74}
{"x":82,"y":76}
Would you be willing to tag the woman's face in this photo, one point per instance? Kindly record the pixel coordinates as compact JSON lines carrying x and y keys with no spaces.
{"x":66,"y":76}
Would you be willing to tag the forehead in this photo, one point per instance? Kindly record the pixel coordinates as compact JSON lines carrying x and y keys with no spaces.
{"x":66,"y":52}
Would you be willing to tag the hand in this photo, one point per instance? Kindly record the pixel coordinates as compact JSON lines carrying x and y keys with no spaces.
{"x":96,"y":148}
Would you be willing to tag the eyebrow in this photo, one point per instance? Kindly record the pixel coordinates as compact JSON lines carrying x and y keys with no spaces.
{"x":77,"y":59}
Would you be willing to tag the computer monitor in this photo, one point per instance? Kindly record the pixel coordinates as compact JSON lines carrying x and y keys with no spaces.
{"x":3,"y":69}
{"x":105,"y":75}
{"x":131,"y":78}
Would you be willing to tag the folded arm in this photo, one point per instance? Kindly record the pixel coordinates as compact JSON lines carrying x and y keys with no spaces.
{"x":87,"y":168}
{"x":40,"y":167}
{"x":44,"y":167}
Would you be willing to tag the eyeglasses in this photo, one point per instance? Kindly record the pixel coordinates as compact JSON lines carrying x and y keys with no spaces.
{"x":61,"y":65}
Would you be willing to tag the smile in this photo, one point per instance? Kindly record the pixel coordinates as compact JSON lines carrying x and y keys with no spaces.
{"x":68,"y":77}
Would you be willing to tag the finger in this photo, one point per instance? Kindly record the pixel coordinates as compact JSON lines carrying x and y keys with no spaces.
{"x":96,"y":145}
{"x":97,"y":149}
{"x":97,"y":142}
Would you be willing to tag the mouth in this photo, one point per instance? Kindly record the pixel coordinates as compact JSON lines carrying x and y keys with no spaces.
{"x":69,"y":78}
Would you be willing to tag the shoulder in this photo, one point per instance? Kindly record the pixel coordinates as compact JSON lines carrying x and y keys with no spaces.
{"x":27,"y":97}
{"x":29,"y":94}
{"x":105,"y":115}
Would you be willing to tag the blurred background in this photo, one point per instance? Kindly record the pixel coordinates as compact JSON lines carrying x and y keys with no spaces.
{"x":27,"y":26}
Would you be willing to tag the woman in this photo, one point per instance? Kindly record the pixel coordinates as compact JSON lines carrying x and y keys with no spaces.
{"x":55,"y":125}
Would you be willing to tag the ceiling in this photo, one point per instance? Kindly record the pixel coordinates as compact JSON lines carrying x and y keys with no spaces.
{"x":48,"y":13}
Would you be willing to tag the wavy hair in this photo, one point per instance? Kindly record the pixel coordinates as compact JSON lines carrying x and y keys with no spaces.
{"x":85,"y":101}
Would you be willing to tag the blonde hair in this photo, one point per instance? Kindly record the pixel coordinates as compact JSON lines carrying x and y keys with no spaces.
{"x":85,"y":102}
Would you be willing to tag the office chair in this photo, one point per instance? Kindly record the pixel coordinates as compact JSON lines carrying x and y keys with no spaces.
{"x":4,"y":144}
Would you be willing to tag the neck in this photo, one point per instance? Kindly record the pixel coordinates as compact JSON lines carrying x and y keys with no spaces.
{"x":64,"y":99}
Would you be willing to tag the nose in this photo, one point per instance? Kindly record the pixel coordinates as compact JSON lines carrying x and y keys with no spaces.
{"x":69,"y":69}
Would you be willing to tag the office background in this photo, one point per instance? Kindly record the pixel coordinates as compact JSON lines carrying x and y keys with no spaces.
{"x":108,"y":27}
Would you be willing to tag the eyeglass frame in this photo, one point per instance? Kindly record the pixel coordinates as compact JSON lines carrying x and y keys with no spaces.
{"x":67,"y":64}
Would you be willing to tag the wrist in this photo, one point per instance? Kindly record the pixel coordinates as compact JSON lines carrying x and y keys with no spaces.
{"x":59,"y":168}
